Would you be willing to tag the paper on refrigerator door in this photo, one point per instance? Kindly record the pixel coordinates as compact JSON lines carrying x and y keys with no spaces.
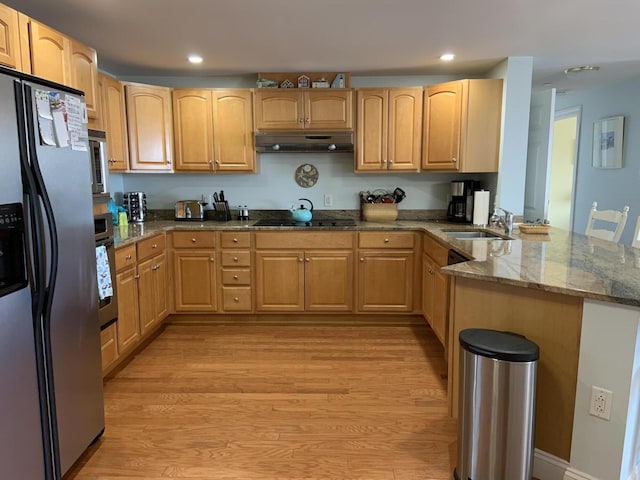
{"x":75,"y":125}
{"x":45,"y":118}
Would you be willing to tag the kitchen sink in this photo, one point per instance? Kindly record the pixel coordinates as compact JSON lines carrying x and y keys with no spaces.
{"x":469,"y":234}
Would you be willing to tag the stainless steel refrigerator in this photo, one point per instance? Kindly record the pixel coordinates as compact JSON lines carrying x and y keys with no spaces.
{"x":51,"y":398}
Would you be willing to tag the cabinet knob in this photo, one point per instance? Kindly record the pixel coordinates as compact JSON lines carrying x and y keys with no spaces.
{"x":236,"y":299}
{"x":217,"y":162}
{"x":128,"y":257}
{"x":307,"y":120}
{"x":301,"y":120}
{"x":454,"y":159}
{"x":193,"y":240}
{"x":362,"y":259}
{"x":154,"y":246}
{"x":301,"y":259}
{"x":235,"y":277}
{"x":136,"y":276}
{"x":235,"y":240}
{"x":390,"y":161}
{"x":386,"y":240}
{"x":384,"y":161}
{"x":307,"y":259}
{"x":212,"y":259}
{"x":235,"y":259}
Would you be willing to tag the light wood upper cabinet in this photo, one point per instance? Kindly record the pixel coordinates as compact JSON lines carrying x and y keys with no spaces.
{"x":462,"y":126}
{"x":327,"y":109}
{"x":49,"y":53}
{"x":114,"y":122}
{"x":10,"y":55}
{"x":213,"y":130}
{"x":389,"y":132}
{"x":84,"y":75}
{"x":149,"y":123}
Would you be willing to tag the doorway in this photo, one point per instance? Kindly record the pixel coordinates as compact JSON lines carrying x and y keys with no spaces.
{"x":564,"y":154}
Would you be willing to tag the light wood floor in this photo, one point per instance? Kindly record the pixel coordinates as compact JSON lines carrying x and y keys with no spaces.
{"x":278,"y":402}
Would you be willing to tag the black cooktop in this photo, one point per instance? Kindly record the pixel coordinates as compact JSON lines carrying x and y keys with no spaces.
{"x":327,"y":222}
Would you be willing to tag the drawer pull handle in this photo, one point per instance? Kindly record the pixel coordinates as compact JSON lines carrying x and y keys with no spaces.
{"x":301,"y":259}
{"x":235,"y":277}
{"x":193,"y":240}
{"x":154,"y":246}
{"x":236,"y":299}
{"x":212,"y":259}
{"x":136,"y":276}
{"x":386,"y":240}
{"x":235,"y":259}
{"x":362,"y":259}
{"x":307,"y":259}
{"x":235,"y":240}
{"x":128,"y":257}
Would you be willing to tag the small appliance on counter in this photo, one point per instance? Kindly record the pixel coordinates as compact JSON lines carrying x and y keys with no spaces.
{"x":135,"y":203}
{"x":189,"y":210}
{"x":461,"y":205}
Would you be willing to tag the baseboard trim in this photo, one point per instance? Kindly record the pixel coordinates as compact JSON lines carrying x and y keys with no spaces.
{"x":549,"y":467}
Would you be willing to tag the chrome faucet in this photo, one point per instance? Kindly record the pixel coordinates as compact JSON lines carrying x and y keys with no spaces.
{"x":506,"y":221}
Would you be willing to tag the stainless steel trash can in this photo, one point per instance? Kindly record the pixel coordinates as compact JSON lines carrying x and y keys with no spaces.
{"x":496,"y":405}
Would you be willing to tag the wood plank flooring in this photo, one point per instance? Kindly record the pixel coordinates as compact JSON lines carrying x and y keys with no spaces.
{"x":278,"y":402}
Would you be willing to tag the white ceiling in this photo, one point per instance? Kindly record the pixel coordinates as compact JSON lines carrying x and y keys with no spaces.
{"x":364,"y":37}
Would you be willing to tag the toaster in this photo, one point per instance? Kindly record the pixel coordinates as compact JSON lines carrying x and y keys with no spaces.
{"x":189,"y":210}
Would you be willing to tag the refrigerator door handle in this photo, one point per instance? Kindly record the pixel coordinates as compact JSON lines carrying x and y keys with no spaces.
{"x":41,"y":202}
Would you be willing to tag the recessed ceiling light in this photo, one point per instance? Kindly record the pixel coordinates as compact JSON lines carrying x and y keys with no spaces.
{"x":581,"y":69}
{"x":195,"y":58}
{"x":447,"y":57}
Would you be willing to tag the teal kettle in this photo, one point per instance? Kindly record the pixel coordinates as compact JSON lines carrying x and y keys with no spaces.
{"x":302,"y":214}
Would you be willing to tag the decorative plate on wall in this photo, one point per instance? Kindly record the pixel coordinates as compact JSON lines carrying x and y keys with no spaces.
{"x":306,"y":175}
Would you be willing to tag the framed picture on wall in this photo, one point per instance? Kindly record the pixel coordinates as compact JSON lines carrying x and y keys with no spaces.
{"x":608,"y":142}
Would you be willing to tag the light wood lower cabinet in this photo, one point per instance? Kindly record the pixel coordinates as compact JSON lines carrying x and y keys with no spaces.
{"x":128,"y":316}
{"x":385,"y":271}
{"x":235,"y":273}
{"x":194,"y":271}
{"x":109,"y":347}
{"x":435,"y":288}
{"x":293,"y":279}
{"x":152,"y":291}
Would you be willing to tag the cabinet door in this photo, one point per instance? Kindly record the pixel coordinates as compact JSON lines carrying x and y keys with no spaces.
{"x":128,"y":324}
{"x":233,"y":131}
{"x":405,"y":129}
{"x":115,"y":123}
{"x":278,"y":110}
{"x":329,"y":281}
{"x":443,"y":109}
{"x":149,"y":126}
{"x":439,"y":322}
{"x":9,"y":38}
{"x":328,"y":109}
{"x":279,"y":281}
{"x":193,"y":130}
{"x":427,"y":289}
{"x":371,"y":135}
{"x":146,"y":295}
{"x":49,"y":53}
{"x":195,"y":281}
{"x":160,"y":287}
{"x":84,"y":75}
{"x":385,"y":281}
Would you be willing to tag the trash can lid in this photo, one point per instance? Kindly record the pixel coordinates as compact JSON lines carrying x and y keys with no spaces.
{"x":507,"y":346}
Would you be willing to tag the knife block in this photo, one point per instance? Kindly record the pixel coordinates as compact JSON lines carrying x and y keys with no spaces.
{"x":220,"y":212}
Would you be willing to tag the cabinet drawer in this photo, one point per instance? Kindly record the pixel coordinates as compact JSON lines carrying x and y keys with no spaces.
{"x":435,"y":250}
{"x":194,"y":239}
{"x":236,"y":258}
{"x":150,"y":247}
{"x":386,"y":239}
{"x":236,"y":299}
{"x":109,"y":346}
{"x":125,"y":257}
{"x":235,"y":239}
{"x":236,"y":277}
{"x":304,"y":241}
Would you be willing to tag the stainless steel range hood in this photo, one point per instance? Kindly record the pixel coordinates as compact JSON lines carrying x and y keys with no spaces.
{"x":284,"y":142}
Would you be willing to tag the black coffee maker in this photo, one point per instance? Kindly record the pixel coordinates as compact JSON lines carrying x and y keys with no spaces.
{"x":461,"y":204}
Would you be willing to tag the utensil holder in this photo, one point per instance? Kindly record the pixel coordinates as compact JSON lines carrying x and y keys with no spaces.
{"x":379,"y":212}
{"x":220,"y":213}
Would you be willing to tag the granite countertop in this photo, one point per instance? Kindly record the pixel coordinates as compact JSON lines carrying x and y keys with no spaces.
{"x":562,"y":262}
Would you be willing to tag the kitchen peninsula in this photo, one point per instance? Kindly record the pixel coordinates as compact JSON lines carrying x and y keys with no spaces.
{"x":578,"y":298}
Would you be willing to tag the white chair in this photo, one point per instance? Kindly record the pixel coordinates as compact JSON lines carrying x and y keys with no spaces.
{"x":619,"y":219}
{"x":636,"y":236}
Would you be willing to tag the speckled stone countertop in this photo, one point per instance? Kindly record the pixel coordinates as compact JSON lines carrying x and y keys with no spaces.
{"x":562,"y":262}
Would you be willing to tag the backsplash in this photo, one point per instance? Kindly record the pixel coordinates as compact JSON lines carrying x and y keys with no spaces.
{"x":275,"y":188}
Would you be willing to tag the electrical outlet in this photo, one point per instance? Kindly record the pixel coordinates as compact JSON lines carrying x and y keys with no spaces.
{"x":601,"y":401}
{"x":328,"y":200}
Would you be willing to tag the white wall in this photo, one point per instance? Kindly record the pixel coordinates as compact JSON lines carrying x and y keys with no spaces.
{"x":611,"y":188}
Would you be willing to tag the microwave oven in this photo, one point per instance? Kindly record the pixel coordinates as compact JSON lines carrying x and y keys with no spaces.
{"x":99,"y":165}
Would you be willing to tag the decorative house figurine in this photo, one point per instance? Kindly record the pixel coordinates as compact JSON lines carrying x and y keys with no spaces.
{"x":303,"y":81}
{"x":322,"y":83}
{"x":287,"y":84}
{"x":339,"y":81}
